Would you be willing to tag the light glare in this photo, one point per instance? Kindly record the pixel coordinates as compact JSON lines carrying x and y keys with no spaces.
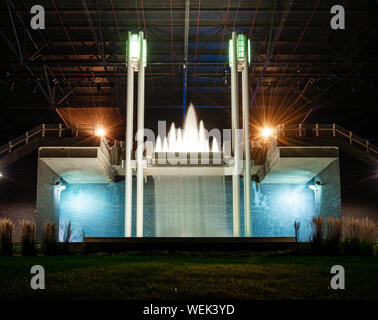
{"x":100,"y":132}
{"x":266,"y":132}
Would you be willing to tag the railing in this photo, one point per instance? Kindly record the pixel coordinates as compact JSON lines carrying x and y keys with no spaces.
{"x":325,"y":130}
{"x":301,"y":130}
{"x":48,"y":130}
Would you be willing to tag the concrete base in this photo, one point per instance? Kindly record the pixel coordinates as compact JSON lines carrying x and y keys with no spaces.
{"x":98,"y":244}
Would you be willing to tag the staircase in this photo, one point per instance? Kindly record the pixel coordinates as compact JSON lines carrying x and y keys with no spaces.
{"x":46,"y":135}
{"x":328,"y":135}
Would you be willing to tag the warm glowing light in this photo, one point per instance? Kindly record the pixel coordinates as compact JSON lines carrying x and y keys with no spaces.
{"x":267,"y":132}
{"x":100,"y":132}
{"x":1,"y":174}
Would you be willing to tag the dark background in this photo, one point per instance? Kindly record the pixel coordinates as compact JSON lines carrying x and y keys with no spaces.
{"x":313,"y":74}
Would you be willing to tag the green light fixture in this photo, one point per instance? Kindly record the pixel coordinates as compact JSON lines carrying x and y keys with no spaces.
{"x":145,"y":52}
{"x":249,"y":51}
{"x":230,"y":53}
{"x":134,"y":47}
{"x":243,"y":46}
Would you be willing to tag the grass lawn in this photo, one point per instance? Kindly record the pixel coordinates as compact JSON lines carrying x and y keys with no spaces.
{"x":183,"y":275}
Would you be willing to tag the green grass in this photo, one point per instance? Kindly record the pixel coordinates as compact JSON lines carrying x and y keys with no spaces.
{"x":186,"y":276}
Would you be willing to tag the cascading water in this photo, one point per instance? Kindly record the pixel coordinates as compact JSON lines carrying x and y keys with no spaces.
{"x":190,"y":206}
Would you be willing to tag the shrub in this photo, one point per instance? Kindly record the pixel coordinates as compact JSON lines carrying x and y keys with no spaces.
{"x":333,"y":238}
{"x":67,"y":238}
{"x":316,"y":240}
{"x":297,"y":225}
{"x":50,"y":242}
{"x":6,"y":229}
{"x":27,"y":238}
{"x":359,"y":236}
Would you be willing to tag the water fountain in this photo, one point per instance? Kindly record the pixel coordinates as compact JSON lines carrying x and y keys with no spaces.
{"x":192,"y":138}
{"x":190,"y":206}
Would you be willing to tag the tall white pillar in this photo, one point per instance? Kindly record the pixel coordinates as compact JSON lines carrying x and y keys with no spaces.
{"x":235,"y":138}
{"x":129,"y":143}
{"x":247,"y":152}
{"x":140,"y":138}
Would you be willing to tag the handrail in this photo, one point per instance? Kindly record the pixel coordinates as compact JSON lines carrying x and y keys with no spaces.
{"x":43,"y":130}
{"x":301,"y":130}
{"x":325,"y":130}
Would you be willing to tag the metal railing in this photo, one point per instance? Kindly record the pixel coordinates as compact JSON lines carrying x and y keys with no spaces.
{"x":301,"y":130}
{"x":48,"y":130}
{"x":326,"y":130}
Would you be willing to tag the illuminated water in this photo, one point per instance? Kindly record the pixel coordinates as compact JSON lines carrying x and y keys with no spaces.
{"x":189,"y":206}
{"x":192,"y":138}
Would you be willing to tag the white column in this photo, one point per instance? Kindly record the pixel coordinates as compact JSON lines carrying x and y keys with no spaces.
{"x":235,"y":138}
{"x":129,"y":143}
{"x":247,"y":152}
{"x":140,"y":139}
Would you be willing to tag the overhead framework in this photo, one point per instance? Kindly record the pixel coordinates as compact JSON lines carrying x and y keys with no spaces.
{"x":83,"y":51}
{"x":136,"y":61}
{"x":239,"y":60}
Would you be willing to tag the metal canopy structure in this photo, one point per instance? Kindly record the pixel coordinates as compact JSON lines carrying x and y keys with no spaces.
{"x":79,"y":59}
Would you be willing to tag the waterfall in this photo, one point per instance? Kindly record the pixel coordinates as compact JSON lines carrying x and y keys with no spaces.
{"x":190,"y":206}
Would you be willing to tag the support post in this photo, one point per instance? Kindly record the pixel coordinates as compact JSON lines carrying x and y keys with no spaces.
{"x":186,"y":49}
{"x":129,"y":142}
{"x":247,"y":152}
{"x":185,"y":89}
{"x":140,"y":139}
{"x":235,"y":138}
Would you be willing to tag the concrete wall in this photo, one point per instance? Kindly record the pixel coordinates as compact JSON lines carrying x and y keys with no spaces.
{"x":328,"y":194}
{"x":18,"y":192}
{"x":275,"y":207}
{"x":48,"y":197}
{"x":98,"y":209}
{"x":17,"y":211}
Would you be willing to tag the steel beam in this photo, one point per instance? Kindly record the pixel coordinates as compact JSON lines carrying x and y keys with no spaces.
{"x":235,"y":138}
{"x":247,"y":152}
{"x":129,"y":144}
{"x":185,"y":67}
{"x":140,"y":140}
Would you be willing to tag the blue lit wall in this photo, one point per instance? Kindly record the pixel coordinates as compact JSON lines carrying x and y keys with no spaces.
{"x":98,"y":209}
{"x":275,"y":207}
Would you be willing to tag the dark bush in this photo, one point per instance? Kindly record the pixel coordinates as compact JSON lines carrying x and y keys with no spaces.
{"x":27,"y":238}
{"x":6,"y":230}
